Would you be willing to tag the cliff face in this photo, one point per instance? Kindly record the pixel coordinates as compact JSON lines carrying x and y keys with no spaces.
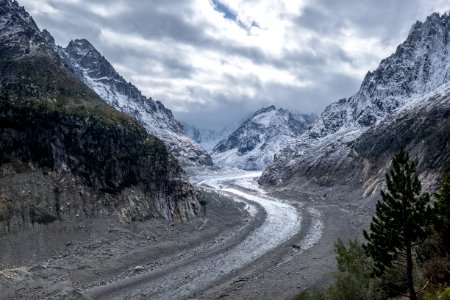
{"x":65,"y":154}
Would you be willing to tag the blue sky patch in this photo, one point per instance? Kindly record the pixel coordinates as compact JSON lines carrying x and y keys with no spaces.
{"x":230,"y":15}
{"x":225,"y":10}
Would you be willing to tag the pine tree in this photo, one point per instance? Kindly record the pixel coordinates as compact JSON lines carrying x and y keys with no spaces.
{"x":442,"y":209}
{"x":401,"y":221}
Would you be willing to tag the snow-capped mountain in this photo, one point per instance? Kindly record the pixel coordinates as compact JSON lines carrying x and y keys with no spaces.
{"x":419,"y":67}
{"x":254,"y":144}
{"x":208,"y":138}
{"x":95,"y":71}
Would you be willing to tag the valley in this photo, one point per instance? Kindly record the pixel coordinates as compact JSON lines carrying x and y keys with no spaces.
{"x":105,"y":194}
{"x":225,"y":247}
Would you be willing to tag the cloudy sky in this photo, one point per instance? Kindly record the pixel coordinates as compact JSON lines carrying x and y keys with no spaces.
{"x":213,"y":62}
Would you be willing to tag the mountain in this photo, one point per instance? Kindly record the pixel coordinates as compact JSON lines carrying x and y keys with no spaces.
{"x":333,"y":151}
{"x":65,"y":154}
{"x":96,"y":72}
{"x":254,"y":144}
{"x":208,"y":138}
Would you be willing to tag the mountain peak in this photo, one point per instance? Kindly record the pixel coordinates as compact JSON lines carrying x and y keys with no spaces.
{"x":81,"y":43}
{"x":265,"y":109}
{"x":83,"y":55}
{"x":19,"y":34}
{"x":82,"y":48}
{"x":12,"y":14}
{"x":11,"y":5}
{"x":48,"y":37}
{"x":253,"y":144}
{"x":419,"y":67}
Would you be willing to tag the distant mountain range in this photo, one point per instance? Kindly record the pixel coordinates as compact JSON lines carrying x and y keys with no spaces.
{"x":404,"y":102}
{"x":258,"y":139}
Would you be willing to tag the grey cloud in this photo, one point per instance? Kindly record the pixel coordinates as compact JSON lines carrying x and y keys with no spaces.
{"x":173,"y":67}
{"x":316,"y":19}
{"x":385,"y":19}
{"x":168,"y":23}
{"x":162,"y":19}
{"x":328,"y":87}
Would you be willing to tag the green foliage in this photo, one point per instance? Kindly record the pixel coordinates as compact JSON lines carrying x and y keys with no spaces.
{"x":353,"y":278}
{"x":434,"y":255}
{"x":402,"y":221}
{"x":442,"y":224}
{"x":444,"y":295}
{"x":402,"y":216}
{"x":352,"y":259}
{"x":316,"y":294}
{"x":436,"y":294}
{"x":105,"y":147}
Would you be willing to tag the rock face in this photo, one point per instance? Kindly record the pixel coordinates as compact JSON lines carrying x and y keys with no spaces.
{"x":254,"y":144}
{"x":65,"y":154}
{"x":96,"y":72}
{"x":17,"y":31}
{"x":332,"y":152}
{"x":423,"y":129}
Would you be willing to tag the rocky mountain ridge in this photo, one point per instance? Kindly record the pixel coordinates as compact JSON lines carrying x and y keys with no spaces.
{"x":66,"y":155}
{"x":96,"y":72}
{"x":327,"y":154}
{"x":254,"y":144}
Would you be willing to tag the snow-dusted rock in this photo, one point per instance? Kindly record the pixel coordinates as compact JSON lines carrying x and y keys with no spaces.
{"x":19,"y":34}
{"x":94,"y":70}
{"x":254,"y":144}
{"x":419,"y":67}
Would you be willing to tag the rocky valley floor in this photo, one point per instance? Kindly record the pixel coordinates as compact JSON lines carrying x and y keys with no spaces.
{"x":245,"y":245}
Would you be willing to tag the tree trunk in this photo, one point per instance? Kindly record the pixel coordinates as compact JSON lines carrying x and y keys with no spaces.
{"x":409,"y":273}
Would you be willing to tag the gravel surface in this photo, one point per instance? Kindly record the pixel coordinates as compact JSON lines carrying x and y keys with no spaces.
{"x":60,"y":259}
{"x":247,"y":244}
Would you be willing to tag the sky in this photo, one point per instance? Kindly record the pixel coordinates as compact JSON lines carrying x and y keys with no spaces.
{"x":214,"y":62}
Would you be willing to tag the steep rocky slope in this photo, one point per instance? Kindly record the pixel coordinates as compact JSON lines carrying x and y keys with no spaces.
{"x":96,"y":72}
{"x":254,"y":144}
{"x":65,"y":154}
{"x":424,"y":129}
{"x":328,"y":153}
